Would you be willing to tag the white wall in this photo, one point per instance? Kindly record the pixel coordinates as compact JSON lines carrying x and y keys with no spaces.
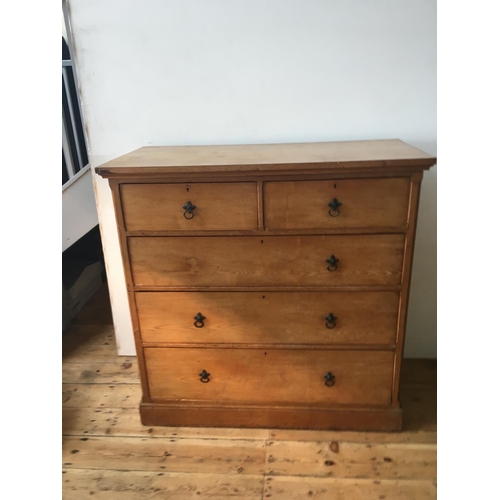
{"x":159,"y":72}
{"x":79,"y":214}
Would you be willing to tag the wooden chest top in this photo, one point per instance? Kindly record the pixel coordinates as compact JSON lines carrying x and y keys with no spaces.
{"x":333,"y":156}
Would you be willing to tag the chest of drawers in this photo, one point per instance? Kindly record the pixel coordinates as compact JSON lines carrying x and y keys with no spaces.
{"x":268,"y":284}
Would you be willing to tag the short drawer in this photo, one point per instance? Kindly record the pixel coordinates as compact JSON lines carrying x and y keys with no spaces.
{"x":267,"y":260}
{"x":281,"y":376}
{"x":169,"y":207}
{"x":268,"y":317}
{"x":331,"y":204}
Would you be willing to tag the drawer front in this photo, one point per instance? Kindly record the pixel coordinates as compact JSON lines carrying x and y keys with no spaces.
{"x":267,"y":260}
{"x":364,"y":203}
{"x":270,"y":376}
{"x":160,"y":207}
{"x":268,"y":317}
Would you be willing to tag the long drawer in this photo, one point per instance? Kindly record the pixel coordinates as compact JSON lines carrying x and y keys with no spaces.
{"x":190,"y":207}
{"x":259,"y":376}
{"x":268,"y":317}
{"x":333,"y":204}
{"x":267,"y":260}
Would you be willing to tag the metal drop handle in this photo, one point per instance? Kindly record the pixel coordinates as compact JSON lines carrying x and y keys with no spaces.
{"x":199,"y":320}
{"x":204,"y":377}
{"x":332,"y":262}
{"x":334,"y":208}
{"x":329,"y":379}
{"x":331,"y":321}
{"x":188,"y":210}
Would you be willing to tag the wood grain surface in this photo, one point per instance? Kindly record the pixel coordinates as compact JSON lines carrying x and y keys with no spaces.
{"x":104,"y":442}
{"x":267,"y":260}
{"x":219,"y":206}
{"x":277,"y":238}
{"x":271,"y":376}
{"x":365,"y":203}
{"x":269,"y":317}
{"x":268,"y":157}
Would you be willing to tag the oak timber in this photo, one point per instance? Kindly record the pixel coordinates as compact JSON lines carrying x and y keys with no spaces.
{"x":219,"y":206}
{"x":270,"y":317}
{"x":269,"y":222}
{"x":268,"y":157}
{"x":370,"y":203}
{"x":277,"y":376}
{"x":102,"y":472}
{"x":265,"y":261}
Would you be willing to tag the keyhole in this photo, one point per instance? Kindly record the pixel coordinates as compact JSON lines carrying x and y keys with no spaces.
{"x":263,"y":296}
{"x":187,"y":189}
{"x":262,"y":241}
{"x":334,"y":186}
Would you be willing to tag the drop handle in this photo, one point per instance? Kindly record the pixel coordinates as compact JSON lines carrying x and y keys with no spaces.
{"x":199,"y":320}
{"x":188,"y":210}
{"x":332,"y":262}
{"x":334,"y":208}
{"x":331,"y":321}
{"x":204,"y":377}
{"x":329,"y":379}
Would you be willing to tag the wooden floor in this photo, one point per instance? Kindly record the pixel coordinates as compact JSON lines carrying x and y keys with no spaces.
{"x":108,"y":454}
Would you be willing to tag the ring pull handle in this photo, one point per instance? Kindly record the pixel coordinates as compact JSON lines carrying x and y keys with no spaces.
{"x":198,"y":320}
{"x":204,"y":377}
{"x":329,"y":379}
{"x":332,"y":262}
{"x":188,"y":210}
{"x":334,"y":208}
{"x":331,"y":321}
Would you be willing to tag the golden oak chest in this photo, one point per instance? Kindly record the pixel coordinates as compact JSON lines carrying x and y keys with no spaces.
{"x":268,"y":284}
